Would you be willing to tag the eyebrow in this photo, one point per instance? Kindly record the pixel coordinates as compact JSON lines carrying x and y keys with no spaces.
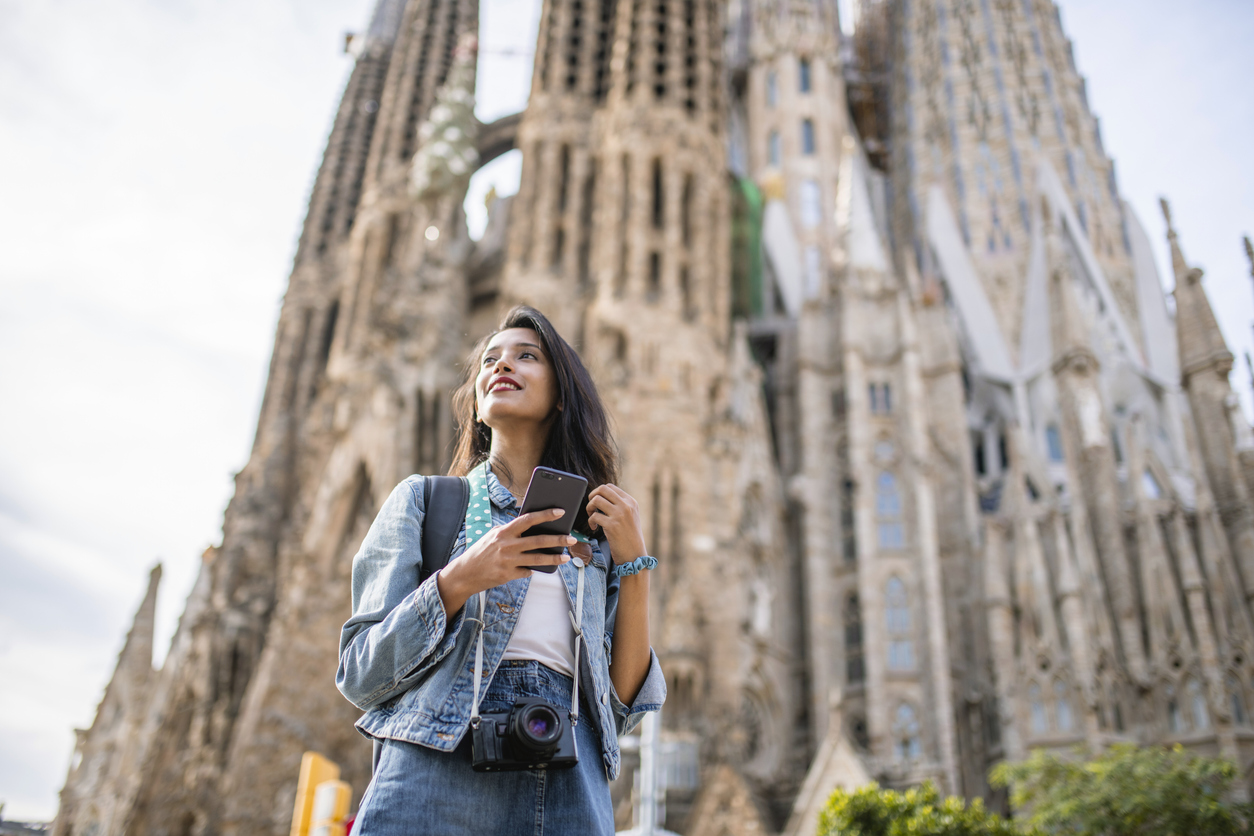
{"x":497,"y":347}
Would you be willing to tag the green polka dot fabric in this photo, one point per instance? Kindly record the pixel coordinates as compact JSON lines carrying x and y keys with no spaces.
{"x":479,"y":509}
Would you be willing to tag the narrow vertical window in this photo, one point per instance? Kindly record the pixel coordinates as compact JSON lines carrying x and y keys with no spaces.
{"x":393,"y":232}
{"x":624,"y":246}
{"x":772,"y":89}
{"x":659,"y":197}
{"x":807,"y":137}
{"x":891,"y":535}
{"x":1175,"y":723}
{"x":655,"y":276}
{"x":881,"y":396}
{"x":1200,"y":713}
{"x":328,"y":334}
{"x":1062,"y":706}
{"x":676,"y":527}
{"x":905,"y":734}
{"x":1236,"y":701}
{"x":563,"y":178}
{"x":685,"y":211}
{"x":585,"y":222}
{"x":803,"y":75}
{"x":773,"y":152}
{"x":1053,"y":443}
{"x":847,"y":524}
{"x":897,"y":620}
{"x":655,"y":511}
{"x":855,"y":669}
{"x":685,"y":291}
{"x":1036,"y":704}
{"x":559,"y":247}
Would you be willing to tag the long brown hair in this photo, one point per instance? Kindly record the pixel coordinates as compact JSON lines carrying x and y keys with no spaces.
{"x":579,"y":439}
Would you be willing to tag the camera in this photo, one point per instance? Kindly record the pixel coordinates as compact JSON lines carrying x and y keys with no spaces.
{"x":534,"y":734}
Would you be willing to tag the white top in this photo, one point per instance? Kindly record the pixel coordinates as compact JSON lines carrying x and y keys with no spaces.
{"x":543,"y":631}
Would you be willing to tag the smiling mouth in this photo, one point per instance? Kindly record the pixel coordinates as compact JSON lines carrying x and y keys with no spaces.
{"x":504,"y":385}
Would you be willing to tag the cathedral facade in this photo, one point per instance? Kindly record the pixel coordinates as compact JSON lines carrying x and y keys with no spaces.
{"x":935,"y":471}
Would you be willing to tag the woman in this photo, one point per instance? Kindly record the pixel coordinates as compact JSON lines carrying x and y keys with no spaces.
{"x":407,"y":655}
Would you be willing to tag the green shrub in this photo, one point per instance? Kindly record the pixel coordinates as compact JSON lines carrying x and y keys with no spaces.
{"x":871,"y":811}
{"x":1149,"y":791}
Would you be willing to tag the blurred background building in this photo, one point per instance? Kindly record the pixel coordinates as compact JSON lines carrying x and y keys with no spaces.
{"x":935,"y":471}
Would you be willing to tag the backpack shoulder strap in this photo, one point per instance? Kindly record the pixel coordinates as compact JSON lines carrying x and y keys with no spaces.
{"x":446,"y":499}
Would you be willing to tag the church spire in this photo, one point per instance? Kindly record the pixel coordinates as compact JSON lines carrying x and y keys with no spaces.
{"x":385,"y":23}
{"x":1202,"y":345}
{"x":136,"y":655}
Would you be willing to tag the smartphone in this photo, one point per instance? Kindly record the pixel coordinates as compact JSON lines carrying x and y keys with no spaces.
{"x":551,"y":488}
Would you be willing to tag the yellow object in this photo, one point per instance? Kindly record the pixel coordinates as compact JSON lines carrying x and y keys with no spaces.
{"x":773,"y":187}
{"x":314,"y":770}
{"x":330,"y":808}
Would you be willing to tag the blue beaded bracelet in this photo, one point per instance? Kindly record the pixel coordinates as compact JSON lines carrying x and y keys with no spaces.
{"x":636,"y":566}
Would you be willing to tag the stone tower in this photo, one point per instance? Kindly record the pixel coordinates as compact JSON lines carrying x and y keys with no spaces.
{"x":935,"y":475}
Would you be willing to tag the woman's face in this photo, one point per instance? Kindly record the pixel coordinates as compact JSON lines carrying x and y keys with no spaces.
{"x":515,"y":383}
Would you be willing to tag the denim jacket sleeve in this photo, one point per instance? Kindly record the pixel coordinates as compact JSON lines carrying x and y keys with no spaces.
{"x":652,"y":691}
{"x":398,"y":631}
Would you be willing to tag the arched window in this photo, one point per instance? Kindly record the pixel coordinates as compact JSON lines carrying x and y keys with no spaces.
{"x":897,"y":618}
{"x":1236,"y":700}
{"x":855,"y":670}
{"x":888,"y":510}
{"x":905,"y":734}
{"x":1198,"y":712}
{"x":1175,"y":723}
{"x":1040,"y":721}
{"x":1062,"y":706}
{"x":803,"y":80}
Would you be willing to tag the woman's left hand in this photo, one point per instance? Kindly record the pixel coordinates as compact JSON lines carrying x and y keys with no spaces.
{"x":612,"y":510}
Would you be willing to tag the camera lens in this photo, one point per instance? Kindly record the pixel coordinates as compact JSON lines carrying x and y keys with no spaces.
{"x":534,"y":730}
{"x":541,"y":724}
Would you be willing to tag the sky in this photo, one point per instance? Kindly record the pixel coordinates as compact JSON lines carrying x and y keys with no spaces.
{"x":156,"y":157}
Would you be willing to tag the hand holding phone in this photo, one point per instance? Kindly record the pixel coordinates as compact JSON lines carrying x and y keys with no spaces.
{"x":551,"y":488}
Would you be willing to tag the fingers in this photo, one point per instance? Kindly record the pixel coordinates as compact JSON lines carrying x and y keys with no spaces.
{"x":545,"y":541}
{"x":525,"y":521}
{"x":542,"y":559}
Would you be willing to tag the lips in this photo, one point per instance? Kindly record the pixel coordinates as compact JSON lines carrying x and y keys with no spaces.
{"x":504,"y":384}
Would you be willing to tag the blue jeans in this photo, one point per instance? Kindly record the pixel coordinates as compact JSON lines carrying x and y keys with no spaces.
{"x":417,"y":790}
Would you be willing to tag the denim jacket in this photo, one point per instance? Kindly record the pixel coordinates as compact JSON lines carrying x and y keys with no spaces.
{"x":411,"y":670}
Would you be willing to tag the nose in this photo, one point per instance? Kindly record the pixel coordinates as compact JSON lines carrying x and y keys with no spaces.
{"x":502,"y":364}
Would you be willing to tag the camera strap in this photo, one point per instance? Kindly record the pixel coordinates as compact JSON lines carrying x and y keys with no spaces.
{"x":478,"y":521}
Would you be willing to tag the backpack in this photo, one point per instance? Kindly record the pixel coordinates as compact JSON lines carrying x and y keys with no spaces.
{"x":445,"y":499}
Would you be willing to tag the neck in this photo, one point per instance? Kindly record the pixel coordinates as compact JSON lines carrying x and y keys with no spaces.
{"x":514,"y":455}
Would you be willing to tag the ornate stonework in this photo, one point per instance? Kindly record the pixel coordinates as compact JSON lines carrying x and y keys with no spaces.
{"x":934,"y":474}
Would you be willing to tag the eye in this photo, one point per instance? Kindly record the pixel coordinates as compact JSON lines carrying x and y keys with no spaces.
{"x":488,"y":358}
{"x":530,"y":354}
